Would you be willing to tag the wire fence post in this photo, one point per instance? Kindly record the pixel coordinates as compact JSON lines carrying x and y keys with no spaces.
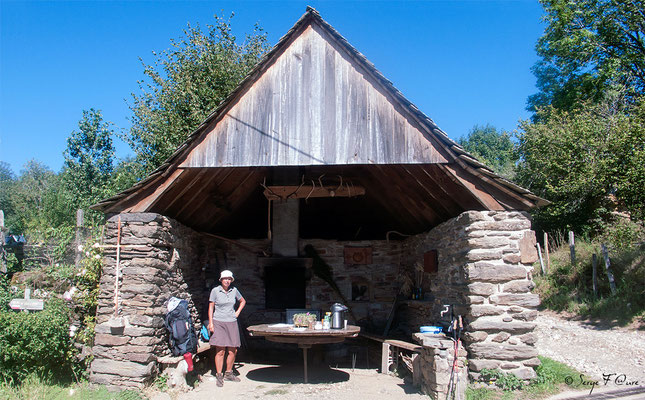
{"x":594,"y":264}
{"x":546,"y":252}
{"x":610,"y":276}
{"x":572,"y":247}
{"x":541,"y":261}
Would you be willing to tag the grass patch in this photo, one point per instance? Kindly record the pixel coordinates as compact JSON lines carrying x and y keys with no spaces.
{"x":569,"y":288}
{"x":34,"y":387}
{"x":552,"y":378}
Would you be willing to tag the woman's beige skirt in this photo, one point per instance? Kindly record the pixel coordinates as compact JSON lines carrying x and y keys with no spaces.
{"x":226,"y":334}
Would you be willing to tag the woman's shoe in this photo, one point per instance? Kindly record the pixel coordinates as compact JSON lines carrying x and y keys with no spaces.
{"x":230,"y":376}
{"x":220,"y":379}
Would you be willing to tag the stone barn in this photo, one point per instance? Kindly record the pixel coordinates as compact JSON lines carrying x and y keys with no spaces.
{"x":316,"y":152}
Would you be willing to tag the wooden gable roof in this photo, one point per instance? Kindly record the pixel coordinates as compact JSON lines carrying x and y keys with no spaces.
{"x":316,"y":104}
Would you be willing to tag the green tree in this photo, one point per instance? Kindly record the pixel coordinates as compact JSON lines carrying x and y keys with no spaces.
{"x":589,"y":46}
{"x":88,"y":164}
{"x":6,"y":185}
{"x":588,"y":163}
{"x":31,"y":197}
{"x":492,"y":147}
{"x":185,"y":84}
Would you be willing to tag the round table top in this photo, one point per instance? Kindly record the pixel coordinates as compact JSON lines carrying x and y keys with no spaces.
{"x":289,"y":331}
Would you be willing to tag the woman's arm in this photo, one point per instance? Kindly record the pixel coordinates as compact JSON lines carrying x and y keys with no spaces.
{"x":239,"y":309}
{"x":211,"y":310}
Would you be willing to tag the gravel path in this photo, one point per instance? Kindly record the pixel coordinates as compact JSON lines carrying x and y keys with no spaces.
{"x":594,"y":350}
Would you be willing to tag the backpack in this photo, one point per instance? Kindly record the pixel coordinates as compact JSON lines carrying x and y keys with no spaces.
{"x":181,"y":329}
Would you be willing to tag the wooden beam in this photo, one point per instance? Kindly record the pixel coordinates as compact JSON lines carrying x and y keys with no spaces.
{"x":483,"y":197}
{"x":308,"y":191}
{"x":144,"y":204}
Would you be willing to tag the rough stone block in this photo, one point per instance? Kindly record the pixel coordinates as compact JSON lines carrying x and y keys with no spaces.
{"x":525,"y":373}
{"x":479,"y":255}
{"x":122,"y":368}
{"x":473,"y":337}
{"x":110,"y":340}
{"x":495,"y":324}
{"x":532,"y":362}
{"x":488,"y":242}
{"x":478,"y":365}
{"x":528,"y":338}
{"x":501,"y":337}
{"x":138,"y":331}
{"x":489,"y":272}
{"x":479,"y":310}
{"x":508,"y":365}
{"x":494,"y":351}
{"x":481,"y":288}
{"x":475,"y":299}
{"x":525,"y":300}
{"x":511,"y":258}
{"x":519,"y":286}
{"x":142,"y":358}
{"x":528,"y":251}
{"x":528,"y":315}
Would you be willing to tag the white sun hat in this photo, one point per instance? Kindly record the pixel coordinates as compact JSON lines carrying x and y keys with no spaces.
{"x":226,"y":274}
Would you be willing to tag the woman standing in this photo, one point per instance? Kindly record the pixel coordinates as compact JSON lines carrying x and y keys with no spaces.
{"x":222,"y":323}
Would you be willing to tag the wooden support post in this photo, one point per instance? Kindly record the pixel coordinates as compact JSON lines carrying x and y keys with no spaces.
{"x":610,"y":276}
{"x":594,"y":264}
{"x":546,"y":252}
{"x":385,"y":355}
{"x":541,"y":261}
{"x":78,"y":243}
{"x":572,"y":248}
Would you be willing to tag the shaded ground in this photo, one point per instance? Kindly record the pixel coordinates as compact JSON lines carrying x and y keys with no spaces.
{"x":263,"y":377}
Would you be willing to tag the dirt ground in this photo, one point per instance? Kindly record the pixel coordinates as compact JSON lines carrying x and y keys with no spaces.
{"x":285,"y":381}
{"x":597,"y":350}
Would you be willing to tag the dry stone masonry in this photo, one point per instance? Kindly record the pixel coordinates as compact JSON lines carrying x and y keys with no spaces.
{"x":484,"y":271}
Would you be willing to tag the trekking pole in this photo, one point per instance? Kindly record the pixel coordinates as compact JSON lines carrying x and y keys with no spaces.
{"x":453,"y":325}
{"x":461,"y":327}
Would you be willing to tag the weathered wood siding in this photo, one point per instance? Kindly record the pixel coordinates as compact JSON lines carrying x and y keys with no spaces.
{"x":314,"y":106}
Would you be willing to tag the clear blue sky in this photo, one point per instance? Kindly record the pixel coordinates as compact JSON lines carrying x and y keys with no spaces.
{"x":461,"y":62}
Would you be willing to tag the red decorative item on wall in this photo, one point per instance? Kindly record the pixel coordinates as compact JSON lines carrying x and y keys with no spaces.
{"x":358,"y":255}
{"x":430,"y":261}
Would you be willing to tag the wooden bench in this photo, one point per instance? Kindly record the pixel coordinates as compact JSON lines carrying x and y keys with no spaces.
{"x":177,"y":368}
{"x":390,"y":349}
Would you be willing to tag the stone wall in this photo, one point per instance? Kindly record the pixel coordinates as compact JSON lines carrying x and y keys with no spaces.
{"x":437,"y":361}
{"x":485,"y":272}
{"x":157,"y":260}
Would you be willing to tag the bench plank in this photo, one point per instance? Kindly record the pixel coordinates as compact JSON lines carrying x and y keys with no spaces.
{"x":404,"y":345}
{"x":175,"y":359}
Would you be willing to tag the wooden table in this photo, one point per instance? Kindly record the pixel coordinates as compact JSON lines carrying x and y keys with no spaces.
{"x":304,"y":338}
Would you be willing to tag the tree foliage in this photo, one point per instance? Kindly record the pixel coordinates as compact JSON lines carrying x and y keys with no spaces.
{"x":589,"y":46}
{"x":185,"y":84}
{"x":492,"y":147}
{"x":588,"y":163}
{"x":88,"y":167}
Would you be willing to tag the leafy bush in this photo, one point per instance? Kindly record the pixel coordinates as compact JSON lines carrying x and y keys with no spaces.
{"x":37,"y":343}
{"x":503,"y":381}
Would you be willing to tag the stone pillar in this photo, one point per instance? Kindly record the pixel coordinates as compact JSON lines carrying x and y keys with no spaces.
{"x":157,"y":260}
{"x":437,"y":360}
{"x":485,"y":273}
{"x":501,"y":306}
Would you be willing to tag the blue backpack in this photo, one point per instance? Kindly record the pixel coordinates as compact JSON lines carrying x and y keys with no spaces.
{"x":181,"y":330}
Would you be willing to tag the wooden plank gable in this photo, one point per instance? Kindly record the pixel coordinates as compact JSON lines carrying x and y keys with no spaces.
{"x":315,"y":105}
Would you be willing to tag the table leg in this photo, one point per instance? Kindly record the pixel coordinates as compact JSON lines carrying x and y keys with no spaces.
{"x":304,"y":348}
{"x":304,"y":353}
